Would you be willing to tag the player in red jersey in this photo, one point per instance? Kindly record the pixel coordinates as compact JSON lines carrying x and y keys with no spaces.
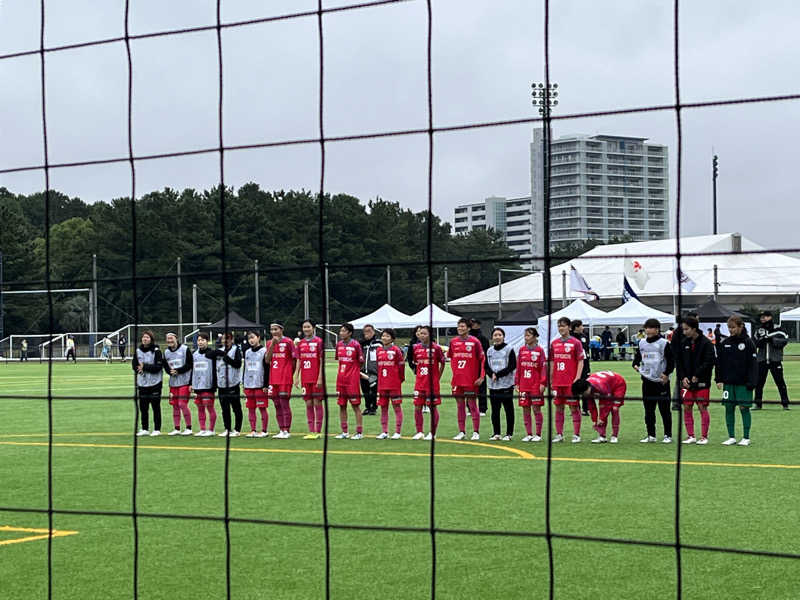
{"x":391,"y":374}
{"x":281,"y":356}
{"x":609,"y":388}
{"x":428,"y":357}
{"x":566,"y":356}
{"x":531,"y":381}
{"x":466,"y":360}
{"x":348,"y":379}
{"x":308,"y":378}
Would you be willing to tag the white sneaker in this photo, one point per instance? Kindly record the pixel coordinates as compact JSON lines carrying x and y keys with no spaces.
{"x":209,"y":433}
{"x":418,"y":436}
{"x":252,"y":434}
{"x":155,"y":433}
{"x":536,"y":438}
{"x":396,"y":436}
{"x":175,"y":432}
{"x":142,"y":432}
{"x":666,"y":440}
{"x":599,"y":440}
{"x":234,"y":433}
{"x":729,"y":442}
{"x":614,"y":439}
{"x":426,"y":409}
{"x":201,"y":433}
{"x":382,"y":436}
{"x":483,"y":414}
{"x":341,"y":436}
{"x":689,"y":440}
{"x":558,"y":438}
{"x":223,"y":434}
{"x":702,"y":441}
{"x":286,"y":435}
{"x":744,"y":442}
{"x":475,"y":436}
{"x":186,"y":432}
{"x":357,"y":436}
{"x":262,"y":434}
{"x":278,"y":436}
{"x":506,"y":438}
{"x":576,"y":439}
{"x":429,"y":437}
{"x":648,"y":439}
{"x":494,"y":438}
{"x":527,"y":438}
{"x":460,"y":435}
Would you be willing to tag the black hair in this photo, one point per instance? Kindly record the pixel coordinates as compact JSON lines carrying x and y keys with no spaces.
{"x":532,"y":331}
{"x":390,"y":331}
{"x":204,"y":335}
{"x":310,"y":322}
{"x":427,"y":328}
{"x":652,"y":323}
{"x":691,"y":322}
{"x":254,"y":332}
{"x":500,"y":329}
{"x":463,"y":320}
{"x":564,"y":321}
{"x":348,"y":326}
{"x":575,"y":324}
{"x":579,"y":387}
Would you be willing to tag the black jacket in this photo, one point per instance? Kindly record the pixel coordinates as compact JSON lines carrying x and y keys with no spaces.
{"x":158,"y":362}
{"x":736,"y":361}
{"x":477,"y":333}
{"x":583,"y":338}
{"x":696,"y":359}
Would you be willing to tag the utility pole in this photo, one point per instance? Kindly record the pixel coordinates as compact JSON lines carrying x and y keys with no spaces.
{"x":305,"y":299}
{"x":258,"y":299}
{"x":445,"y":288}
{"x":327,"y":306}
{"x":714,"y":172}
{"x":388,"y":284}
{"x":563,"y":288}
{"x":180,"y":302}
{"x":2,"y":314}
{"x":194,"y":312}
{"x":716,"y":283}
{"x":95,"y":326}
{"x":499,"y":294}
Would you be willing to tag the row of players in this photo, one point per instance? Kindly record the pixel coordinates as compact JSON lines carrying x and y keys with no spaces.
{"x":270,"y":371}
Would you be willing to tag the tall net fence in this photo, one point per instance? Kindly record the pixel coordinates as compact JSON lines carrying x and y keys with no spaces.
{"x":321,"y":271}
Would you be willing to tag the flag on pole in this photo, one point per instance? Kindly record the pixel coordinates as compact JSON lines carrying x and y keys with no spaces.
{"x":635,"y":271}
{"x":686,"y":283}
{"x":578,"y":284}
{"x":627,"y":290}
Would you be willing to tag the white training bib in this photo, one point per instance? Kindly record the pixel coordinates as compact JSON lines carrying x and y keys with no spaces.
{"x":201,"y":367}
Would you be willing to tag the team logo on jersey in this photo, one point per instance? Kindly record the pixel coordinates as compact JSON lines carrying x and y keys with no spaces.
{"x":741,"y":346}
{"x":312,"y":346}
{"x":567,"y":347}
{"x":468,"y":345}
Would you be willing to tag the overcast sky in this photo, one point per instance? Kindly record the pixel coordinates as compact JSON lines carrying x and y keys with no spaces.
{"x":604,"y":55}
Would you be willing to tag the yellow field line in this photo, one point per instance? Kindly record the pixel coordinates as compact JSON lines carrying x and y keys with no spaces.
{"x":31,"y":538}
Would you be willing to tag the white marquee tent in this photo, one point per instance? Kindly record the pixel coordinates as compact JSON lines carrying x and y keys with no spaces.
{"x":385,"y":316}
{"x":579,"y":309}
{"x":634,"y":312}
{"x":791,"y":315}
{"x":441,"y":318}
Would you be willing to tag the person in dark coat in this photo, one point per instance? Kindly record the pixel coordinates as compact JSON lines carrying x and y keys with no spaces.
{"x":475,"y":331}
{"x":737,"y":377}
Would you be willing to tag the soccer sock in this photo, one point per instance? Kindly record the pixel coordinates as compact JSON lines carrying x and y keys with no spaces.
{"x":730,"y":419}
{"x":187,"y":415}
{"x":201,"y":416}
{"x":264,"y":418}
{"x":576,"y":422}
{"x":384,"y":419}
{"x":359,"y":429}
{"x":688,"y":420}
{"x":398,"y":418}
{"x":705,"y":421}
{"x":176,"y":416}
{"x":319,"y":415}
{"x":593,"y":411}
{"x":560,"y":422}
{"x":526,"y":418}
{"x":615,"y":422}
{"x":475,"y":414}
{"x":343,"y":421}
{"x":251,"y":416}
{"x":287,"y":414}
{"x":462,"y":414}
{"x":310,"y":417}
{"x":434,"y":419}
{"x":212,"y":414}
{"x":280,"y":416}
{"x":746,"y":420}
{"x":539,"y":420}
{"x":419,"y":421}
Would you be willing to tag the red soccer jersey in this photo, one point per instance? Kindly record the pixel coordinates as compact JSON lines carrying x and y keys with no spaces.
{"x":391,"y":368}
{"x":281,"y":364}
{"x":466,"y":360}
{"x":309,"y":352}
{"x":531,"y":369}
{"x":565,"y":355}
{"x":609,"y":384}
{"x":429,"y":361}
{"x":350,"y":356}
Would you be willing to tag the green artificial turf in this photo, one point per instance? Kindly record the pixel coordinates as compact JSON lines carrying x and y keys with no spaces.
{"x":731,"y":497}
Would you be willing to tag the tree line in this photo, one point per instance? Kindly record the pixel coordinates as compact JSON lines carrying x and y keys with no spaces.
{"x":280,"y":229}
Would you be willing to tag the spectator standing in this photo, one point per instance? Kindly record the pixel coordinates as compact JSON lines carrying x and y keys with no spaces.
{"x":588,"y":405}
{"x":654,"y":362}
{"x":122,"y":344}
{"x":369,"y":370}
{"x":718,"y":335}
{"x":606,"y":338}
{"x":23,"y":350}
{"x":622,"y":340}
{"x":770,"y":342}
{"x":475,"y":331}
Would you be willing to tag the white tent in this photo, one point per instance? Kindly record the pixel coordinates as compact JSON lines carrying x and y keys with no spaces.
{"x":577,"y":310}
{"x":385,"y":316}
{"x":634,"y":312}
{"x":791,"y":315}
{"x":441,"y":318}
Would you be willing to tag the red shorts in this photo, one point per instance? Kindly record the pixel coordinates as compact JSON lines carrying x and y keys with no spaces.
{"x":312,"y":391}
{"x":610,"y":403}
{"x":701,"y":397}
{"x":562,"y":395}
{"x":179,"y":395}
{"x":276,"y":390}
{"x":396,"y":396}
{"x":204,"y":399}
{"x":424,"y":398}
{"x":346,"y":395}
{"x":459,"y":391}
{"x":530,"y":399}
{"x":256,"y":398}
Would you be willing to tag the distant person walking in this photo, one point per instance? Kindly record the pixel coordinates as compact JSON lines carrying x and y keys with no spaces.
{"x":71,"y":350}
{"x":122,"y":344}
{"x":23,"y":350}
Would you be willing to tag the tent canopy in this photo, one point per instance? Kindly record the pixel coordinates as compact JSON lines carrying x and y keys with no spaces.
{"x":579,"y":309}
{"x":441,"y":318}
{"x":791,"y":315}
{"x":634,"y":312}
{"x":527,"y":316}
{"x":712,"y":311}
{"x":235,"y":321}
{"x":385,"y":316}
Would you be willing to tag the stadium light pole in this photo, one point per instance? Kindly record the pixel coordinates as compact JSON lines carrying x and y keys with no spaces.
{"x":714,"y":173}
{"x":388,"y":284}
{"x":305,"y":299}
{"x":545,"y":98}
{"x":258,"y":300}
{"x":2,"y":314}
{"x":445,"y":288}
{"x":180,"y":302}
{"x":95,"y":325}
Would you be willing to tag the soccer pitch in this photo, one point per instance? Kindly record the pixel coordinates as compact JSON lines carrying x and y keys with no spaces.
{"x":731,"y":497}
